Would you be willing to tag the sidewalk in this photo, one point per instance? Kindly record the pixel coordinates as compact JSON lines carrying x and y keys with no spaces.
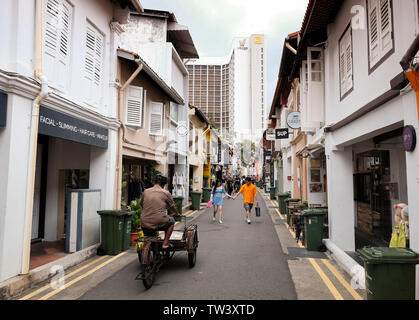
{"x":316,"y":275}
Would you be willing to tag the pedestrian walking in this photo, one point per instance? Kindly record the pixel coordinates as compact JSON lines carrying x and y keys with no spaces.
{"x":217,"y":198}
{"x":249,"y":192}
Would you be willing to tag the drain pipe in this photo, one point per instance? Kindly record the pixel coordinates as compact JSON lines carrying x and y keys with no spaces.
{"x":33,"y":144}
{"x":121,"y":134}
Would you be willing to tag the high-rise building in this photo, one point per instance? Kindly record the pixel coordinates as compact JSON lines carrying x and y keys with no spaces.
{"x":231,"y":90}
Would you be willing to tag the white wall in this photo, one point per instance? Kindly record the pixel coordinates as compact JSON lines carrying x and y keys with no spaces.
{"x":62,"y":155}
{"x":366,"y":87}
{"x":341,"y":199}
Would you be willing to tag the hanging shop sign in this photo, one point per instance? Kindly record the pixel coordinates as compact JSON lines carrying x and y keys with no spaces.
{"x":56,"y":124}
{"x":282,"y":134}
{"x":3,"y":109}
{"x":409,"y":138}
{"x":294,"y":120}
{"x":270,"y":134}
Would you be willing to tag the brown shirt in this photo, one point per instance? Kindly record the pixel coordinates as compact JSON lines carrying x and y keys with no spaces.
{"x":155,"y":202}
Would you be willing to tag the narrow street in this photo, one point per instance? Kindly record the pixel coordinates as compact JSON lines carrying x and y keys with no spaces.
{"x":236,"y":261}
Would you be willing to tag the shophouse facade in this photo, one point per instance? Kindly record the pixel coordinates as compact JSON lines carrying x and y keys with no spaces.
{"x":164,"y":44}
{"x":368,"y":105}
{"x":145,"y":113}
{"x":58,"y":143}
{"x":198,"y":127}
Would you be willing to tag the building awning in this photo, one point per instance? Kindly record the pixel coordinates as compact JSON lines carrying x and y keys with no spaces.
{"x":171,"y":92}
{"x":181,"y":39}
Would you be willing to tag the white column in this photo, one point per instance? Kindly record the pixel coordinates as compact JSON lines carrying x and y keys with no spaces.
{"x":14,"y":146}
{"x":102,"y":168}
{"x":412,"y":173}
{"x":340,"y":195}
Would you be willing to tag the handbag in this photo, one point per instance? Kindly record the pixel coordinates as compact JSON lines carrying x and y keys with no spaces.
{"x":209,"y":204}
{"x":257,"y":209}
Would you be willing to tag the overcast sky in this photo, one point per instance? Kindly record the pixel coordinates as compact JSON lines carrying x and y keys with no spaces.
{"x":214,"y":23}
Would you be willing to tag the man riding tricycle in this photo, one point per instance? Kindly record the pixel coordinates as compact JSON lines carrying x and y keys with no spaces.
{"x":153,"y":249}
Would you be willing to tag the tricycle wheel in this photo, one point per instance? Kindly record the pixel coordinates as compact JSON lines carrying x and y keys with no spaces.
{"x":192,"y":258}
{"x":148,"y":270}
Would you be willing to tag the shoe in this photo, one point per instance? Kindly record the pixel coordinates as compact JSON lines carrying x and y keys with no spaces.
{"x":248,"y":221}
{"x":220,"y":221}
{"x":213,"y":219}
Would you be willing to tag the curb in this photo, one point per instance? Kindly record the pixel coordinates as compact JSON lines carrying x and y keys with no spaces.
{"x":344,"y":260}
{"x":16,"y":285}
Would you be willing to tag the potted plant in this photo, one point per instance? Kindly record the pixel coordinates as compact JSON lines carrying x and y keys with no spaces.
{"x":136,"y":220}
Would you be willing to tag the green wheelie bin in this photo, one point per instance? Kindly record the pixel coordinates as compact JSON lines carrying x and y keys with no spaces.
{"x":313,"y":223}
{"x":196,"y":200}
{"x":287,"y":202}
{"x":179,"y":203}
{"x":282,"y":206}
{"x":273,"y":193}
{"x":127,"y":230}
{"x":206,"y":196}
{"x":112,"y":230}
{"x":390,"y":273}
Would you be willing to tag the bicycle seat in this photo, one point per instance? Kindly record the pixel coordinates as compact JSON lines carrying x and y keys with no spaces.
{"x":150,"y":232}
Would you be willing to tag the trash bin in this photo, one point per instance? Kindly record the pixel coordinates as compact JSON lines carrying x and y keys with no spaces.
{"x":390,"y":273}
{"x":313,"y":224}
{"x":282,"y":205}
{"x":112,"y":230}
{"x":206,"y":196}
{"x":273,"y":193}
{"x":287,"y":202}
{"x":179,"y":203}
{"x":196,"y":200}
{"x":127,"y":230}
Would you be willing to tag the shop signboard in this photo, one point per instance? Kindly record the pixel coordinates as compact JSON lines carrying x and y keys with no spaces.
{"x":281,"y":134}
{"x":294,"y":120}
{"x":59,"y":125}
{"x":270,"y":134}
{"x":409,"y":138}
{"x":3,"y":109}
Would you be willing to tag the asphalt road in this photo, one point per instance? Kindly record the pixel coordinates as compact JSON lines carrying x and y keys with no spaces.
{"x":235,"y":261}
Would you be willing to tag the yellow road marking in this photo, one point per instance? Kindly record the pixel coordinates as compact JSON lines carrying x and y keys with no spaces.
{"x":53,"y":293}
{"x":342,"y":280}
{"x":56,"y":281}
{"x":326,"y":280}
{"x":279,"y":213}
{"x":192,"y":213}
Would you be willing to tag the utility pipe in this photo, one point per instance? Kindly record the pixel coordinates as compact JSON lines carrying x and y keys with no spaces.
{"x":33,"y":142}
{"x":121,"y":134}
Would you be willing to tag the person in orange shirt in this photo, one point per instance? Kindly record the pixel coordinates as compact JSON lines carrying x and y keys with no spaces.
{"x":249,"y":192}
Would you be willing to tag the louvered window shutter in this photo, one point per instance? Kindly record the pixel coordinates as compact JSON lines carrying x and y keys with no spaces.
{"x":134,"y":106}
{"x":385,"y":27}
{"x":58,"y":20}
{"x":342,"y":67}
{"x":373,"y":32}
{"x":156,"y":119}
{"x":93,"y":65}
{"x":345,"y":63}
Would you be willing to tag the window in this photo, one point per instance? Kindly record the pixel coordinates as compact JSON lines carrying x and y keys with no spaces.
{"x":93,"y":65}
{"x":156,"y":119}
{"x":57,"y":36}
{"x":380,"y":31}
{"x":134,"y":102}
{"x":345,"y":63}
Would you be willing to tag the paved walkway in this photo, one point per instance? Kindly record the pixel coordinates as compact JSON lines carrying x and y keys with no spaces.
{"x":235,"y":261}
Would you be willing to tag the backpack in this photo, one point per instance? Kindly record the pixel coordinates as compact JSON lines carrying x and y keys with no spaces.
{"x":398,"y":238}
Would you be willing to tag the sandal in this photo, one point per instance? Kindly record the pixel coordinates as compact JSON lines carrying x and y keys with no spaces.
{"x":170,"y":246}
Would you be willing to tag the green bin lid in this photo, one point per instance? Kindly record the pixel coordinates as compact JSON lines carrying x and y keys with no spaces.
{"x":314,"y":212}
{"x":378,"y":255}
{"x":115,"y":213}
{"x":195,"y":192}
{"x":286,"y":194}
{"x":293,"y":200}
